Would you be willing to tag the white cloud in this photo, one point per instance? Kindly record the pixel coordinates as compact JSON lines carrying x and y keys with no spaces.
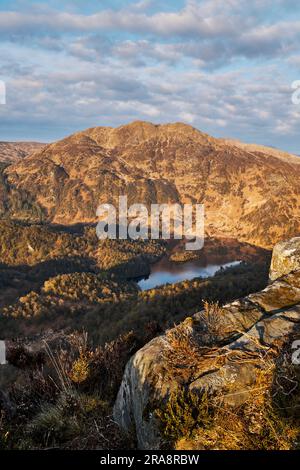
{"x":221,"y":66}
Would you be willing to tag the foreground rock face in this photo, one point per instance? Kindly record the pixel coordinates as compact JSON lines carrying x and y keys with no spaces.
{"x":220,"y":352}
{"x":286,"y":258}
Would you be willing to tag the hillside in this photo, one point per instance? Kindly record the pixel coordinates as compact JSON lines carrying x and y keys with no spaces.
{"x":250,"y":196}
{"x":221,"y":379}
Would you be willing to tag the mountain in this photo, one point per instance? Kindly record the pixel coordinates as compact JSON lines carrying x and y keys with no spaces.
{"x":253,"y":196}
{"x":11,"y":152}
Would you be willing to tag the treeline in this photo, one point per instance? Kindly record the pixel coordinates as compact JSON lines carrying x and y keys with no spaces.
{"x":106,"y":306}
{"x":23,"y":244}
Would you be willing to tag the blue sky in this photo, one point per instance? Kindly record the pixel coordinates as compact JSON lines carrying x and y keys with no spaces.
{"x":223,"y":67}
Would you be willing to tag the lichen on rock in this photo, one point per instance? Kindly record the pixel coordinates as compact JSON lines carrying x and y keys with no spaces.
{"x":285,"y":258}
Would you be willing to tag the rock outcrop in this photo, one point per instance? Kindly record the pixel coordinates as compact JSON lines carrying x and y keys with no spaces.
{"x":285,"y":258}
{"x":219,"y":350}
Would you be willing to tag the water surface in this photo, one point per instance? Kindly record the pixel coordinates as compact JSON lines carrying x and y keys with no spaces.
{"x":170,"y":272}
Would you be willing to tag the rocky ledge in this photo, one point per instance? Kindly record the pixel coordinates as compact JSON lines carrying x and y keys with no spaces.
{"x":218,"y":350}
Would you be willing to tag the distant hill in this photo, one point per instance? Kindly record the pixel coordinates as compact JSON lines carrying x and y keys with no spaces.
{"x":11,"y":152}
{"x":264,"y":150}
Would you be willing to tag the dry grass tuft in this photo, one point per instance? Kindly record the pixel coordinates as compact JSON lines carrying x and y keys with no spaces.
{"x":213,"y":324}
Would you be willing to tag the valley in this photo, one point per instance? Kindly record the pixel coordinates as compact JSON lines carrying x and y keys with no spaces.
{"x":92,"y":304}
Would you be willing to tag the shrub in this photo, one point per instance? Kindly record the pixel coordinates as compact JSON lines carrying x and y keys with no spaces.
{"x":183,"y":413}
{"x":80,"y":369}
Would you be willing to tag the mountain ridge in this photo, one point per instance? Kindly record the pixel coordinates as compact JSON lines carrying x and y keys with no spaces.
{"x":11,"y":152}
{"x":246,"y":195}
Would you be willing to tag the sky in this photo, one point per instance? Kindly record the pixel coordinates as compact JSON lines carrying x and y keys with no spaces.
{"x":225,"y":67}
